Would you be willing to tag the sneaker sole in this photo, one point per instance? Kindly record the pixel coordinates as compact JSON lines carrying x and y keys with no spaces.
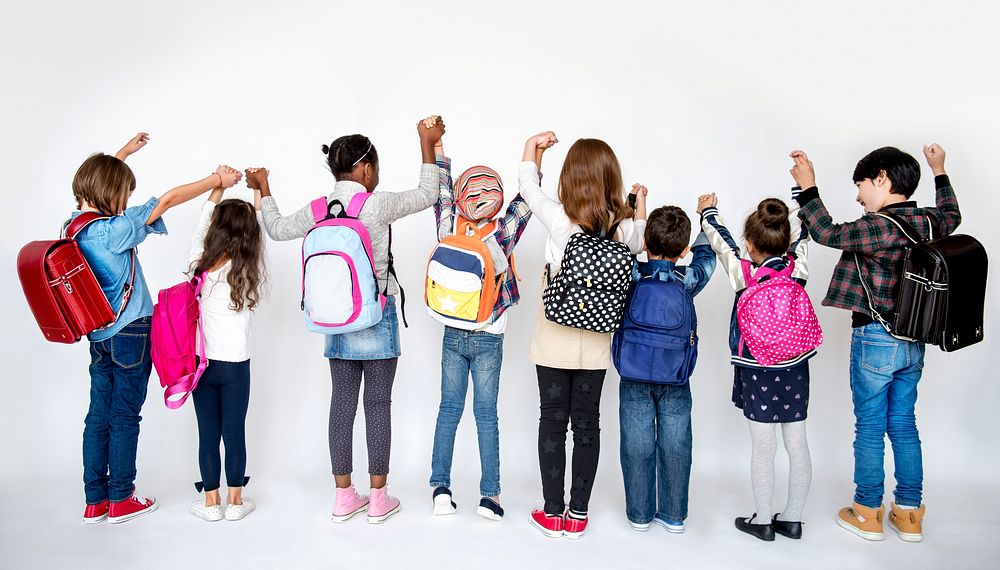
{"x":906,"y":536}
{"x":872,"y":536}
{"x":443,"y":505}
{"x":487,"y":514}
{"x":639,"y":527}
{"x":128,"y":517}
{"x":94,"y":520}
{"x":548,"y":533}
{"x":669,"y":527}
{"x":344,"y":518}
{"x":573,"y":535}
{"x":206,"y":519}
{"x":382,"y":518}
{"x":243,"y":514}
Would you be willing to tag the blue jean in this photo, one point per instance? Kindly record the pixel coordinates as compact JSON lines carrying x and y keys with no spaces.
{"x":884,"y":376}
{"x":655,"y":449}
{"x":220,"y":404}
{"x":481,"y":354}
{"x":119,"y":373}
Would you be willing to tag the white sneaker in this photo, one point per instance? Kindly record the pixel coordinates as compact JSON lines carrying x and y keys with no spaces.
{"x":210,"y":514}
{"x":641,"y":527}
{"x":236,"y":512}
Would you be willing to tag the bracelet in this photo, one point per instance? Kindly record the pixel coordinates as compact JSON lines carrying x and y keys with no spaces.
{"x":220,"y":179}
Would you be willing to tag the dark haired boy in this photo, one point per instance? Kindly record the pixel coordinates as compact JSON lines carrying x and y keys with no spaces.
{"x":885,"y":370}
{"x":656,"y":418}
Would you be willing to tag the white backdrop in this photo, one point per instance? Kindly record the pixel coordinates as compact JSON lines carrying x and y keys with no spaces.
{"x":693,"y":97}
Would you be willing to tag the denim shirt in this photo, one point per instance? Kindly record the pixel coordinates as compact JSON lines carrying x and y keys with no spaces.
{"x":694,"y":276}
{"x":105,"y":245}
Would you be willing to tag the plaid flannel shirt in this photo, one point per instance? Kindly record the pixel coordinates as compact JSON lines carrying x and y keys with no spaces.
{"x":508,"y":231}
{"x":878,"y":243}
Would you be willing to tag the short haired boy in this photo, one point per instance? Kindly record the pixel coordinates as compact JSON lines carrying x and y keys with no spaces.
{"x":885,"y":370}
{"x":656,"y":418}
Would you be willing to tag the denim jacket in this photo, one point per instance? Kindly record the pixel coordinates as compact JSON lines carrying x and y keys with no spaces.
{"x":105,"y":245}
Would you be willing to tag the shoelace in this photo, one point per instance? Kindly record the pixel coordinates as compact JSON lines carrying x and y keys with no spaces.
{"x":138,"y":498}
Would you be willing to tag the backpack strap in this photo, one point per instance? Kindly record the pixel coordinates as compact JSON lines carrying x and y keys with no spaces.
{"x":391,"y":271}
{"x":73,"y":228}
{"x":357,"y":202}
{"x":320,"y":209}
{"x":909,"y":232}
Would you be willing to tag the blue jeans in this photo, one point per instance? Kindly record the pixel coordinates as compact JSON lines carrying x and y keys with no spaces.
{"x":481,"y":354}
{"x":655,"y":449}
{"x":884,"y":376}
{"x":119,"y":373}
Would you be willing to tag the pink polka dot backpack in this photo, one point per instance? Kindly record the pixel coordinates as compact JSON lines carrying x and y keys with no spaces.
{"x":776,"y":318}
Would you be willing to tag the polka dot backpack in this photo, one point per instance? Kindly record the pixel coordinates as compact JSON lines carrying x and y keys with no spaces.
{"x":590,"y":289}
{"x":776,"y":318}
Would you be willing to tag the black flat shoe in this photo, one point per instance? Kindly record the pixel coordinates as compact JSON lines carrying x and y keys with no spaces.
{"x":787,"y":528}
{"x":762,"y":531}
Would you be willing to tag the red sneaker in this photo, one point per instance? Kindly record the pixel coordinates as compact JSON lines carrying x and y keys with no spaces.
{"x":94,"y":514}
{"x":134,"y":506}
{"x":549,"y":525}
{"x":573,"y":527}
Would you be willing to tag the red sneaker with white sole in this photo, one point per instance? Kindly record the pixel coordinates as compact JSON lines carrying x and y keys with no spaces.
{"x":94,"y":514}
{"x":574,"y":528}
{"x":130,"y":508}
{"x":549,"y":525}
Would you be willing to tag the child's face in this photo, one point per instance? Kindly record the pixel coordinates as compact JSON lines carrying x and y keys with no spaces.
{"x":872,"y":194}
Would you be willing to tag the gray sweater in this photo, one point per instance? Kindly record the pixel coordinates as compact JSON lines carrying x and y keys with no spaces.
{"x":382,"y":209}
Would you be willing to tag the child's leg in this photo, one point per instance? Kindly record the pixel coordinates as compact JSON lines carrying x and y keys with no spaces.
{"x":637,"y":418}
{"x":585,"y":418}
{"x":235,"y":399}
{"x":765,"y":442}
{"x":873,"y":357}
{"x":487,"y":357}
{"x":673,"y":442}
{"x":97,"y":425}
{"x":345,"y":376}
{"x":130,"y":354}
{"x":379,"y":376}
{"x":553,"y":395}
{"x":454,"y":385}
{"x":902,"y":428}
{"x":799,"y":470}
{"x":208,"y":411}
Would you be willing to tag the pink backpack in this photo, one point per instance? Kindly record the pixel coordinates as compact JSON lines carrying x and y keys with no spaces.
{"x":177,"y":341}
{"x":776,"y":318}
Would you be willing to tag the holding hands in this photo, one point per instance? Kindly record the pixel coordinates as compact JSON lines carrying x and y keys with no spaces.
{"x":536,"y":145}
{"x":430,"y":131}
{"x":706,"y":201}
{"x":228,"y":176}
{"x":802,"y":172}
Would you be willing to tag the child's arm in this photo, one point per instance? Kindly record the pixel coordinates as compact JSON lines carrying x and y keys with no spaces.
{"x":278,"y":227}
{"x":223,"y":177}
{"x":721,"y":240}
{"x":132,"y":146}
{"x":444,"y":208}
{"x":702,"y":265}
{"x":948,"y":214}
{"x":511,"y":226}
{"x":204,"y":220}
{"x":798,"y":247}
{"x":394,"y":205}
{"x":634,"y":236}
{"x":529,"y":180}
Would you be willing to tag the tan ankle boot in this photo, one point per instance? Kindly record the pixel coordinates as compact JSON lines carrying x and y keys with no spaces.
{"x":862,"y":521}
{"x":908,"y":523}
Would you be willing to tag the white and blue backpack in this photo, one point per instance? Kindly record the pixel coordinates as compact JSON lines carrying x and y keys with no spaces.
{"x":339,"y":281}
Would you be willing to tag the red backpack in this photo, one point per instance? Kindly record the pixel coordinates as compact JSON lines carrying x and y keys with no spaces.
{"x":177,"y":341}
{"x":62,"y":291}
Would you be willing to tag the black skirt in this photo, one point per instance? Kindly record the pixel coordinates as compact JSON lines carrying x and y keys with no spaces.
{"x":774,"y":395}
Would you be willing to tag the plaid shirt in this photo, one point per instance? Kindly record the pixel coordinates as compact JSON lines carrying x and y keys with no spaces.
{"x":878,"y":243}
{"x":508,"y":231}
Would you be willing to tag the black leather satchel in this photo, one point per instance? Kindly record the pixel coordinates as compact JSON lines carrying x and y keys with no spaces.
{"x":942,"y":290}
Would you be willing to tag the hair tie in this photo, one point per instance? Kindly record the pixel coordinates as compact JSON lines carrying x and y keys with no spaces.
{"x":325,"y":149}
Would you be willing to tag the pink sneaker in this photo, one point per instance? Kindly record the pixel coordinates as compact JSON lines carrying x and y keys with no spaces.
{"x":381,"y":506}
{"x":134,"y":506}
{"x":348,"y":504}
{"x":94,"y":514}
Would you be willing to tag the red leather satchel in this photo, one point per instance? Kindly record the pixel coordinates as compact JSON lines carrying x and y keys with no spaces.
{"x":61,"y":289}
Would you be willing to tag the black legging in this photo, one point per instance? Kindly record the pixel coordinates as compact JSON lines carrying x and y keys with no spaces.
{"x":568,"y":396}
{"x":346,"y":378}
{"x":220,"y":403}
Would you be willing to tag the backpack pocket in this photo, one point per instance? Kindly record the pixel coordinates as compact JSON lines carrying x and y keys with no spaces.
{"x":649,"y":356}
{"x":331,"y":295}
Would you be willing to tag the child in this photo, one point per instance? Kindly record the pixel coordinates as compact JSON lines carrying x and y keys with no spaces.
{"x":227,"y":250}
{"x":777,"y":393}
{"x":571,"y":363}
{"x":656,"y":418}
{"x":884,"y":370}
{"x":372,"y":352}
{"x":119,"y":354}
{"x":477,"y":196}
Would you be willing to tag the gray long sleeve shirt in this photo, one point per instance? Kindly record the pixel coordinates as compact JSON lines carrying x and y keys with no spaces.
{"x":380,"y":210}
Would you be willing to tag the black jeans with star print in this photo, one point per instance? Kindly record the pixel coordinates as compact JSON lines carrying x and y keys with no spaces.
{"x":568,"y":396}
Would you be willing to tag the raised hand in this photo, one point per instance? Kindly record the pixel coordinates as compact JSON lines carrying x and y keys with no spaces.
{"x":802,"y":171}
{"x":133,"y":145}
{"x":431,"y":130}
{"x":228,"y":176}
{"x":256,"y":178}
{"x":935,"y":158}
{"x":706,"y":201}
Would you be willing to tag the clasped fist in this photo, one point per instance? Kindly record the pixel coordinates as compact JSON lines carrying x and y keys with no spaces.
{"x":431,"y":129}
{"x":706,"y":201}
{"x":228,"y":176}
{"x":802,"y":171}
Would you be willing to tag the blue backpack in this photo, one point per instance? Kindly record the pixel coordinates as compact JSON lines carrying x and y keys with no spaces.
{"x":658,"y":340}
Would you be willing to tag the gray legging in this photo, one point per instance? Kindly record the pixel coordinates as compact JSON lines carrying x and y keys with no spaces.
{"x":346,"y":377}
{"x":762,"y":468}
